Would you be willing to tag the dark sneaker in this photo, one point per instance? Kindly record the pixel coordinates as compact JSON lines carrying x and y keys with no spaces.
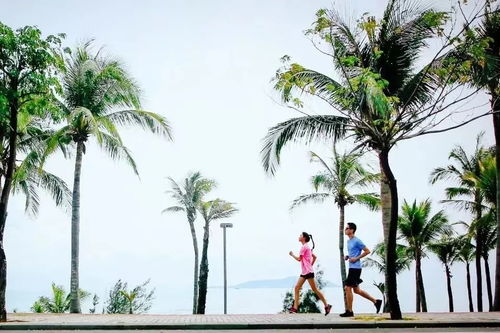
{"x":292,"y":310}
{"x":347,"y":314}
{"x":378,"y":305}
{"x":328,"y":308}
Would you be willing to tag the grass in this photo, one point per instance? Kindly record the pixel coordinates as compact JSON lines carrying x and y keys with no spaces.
{"x":378,"y":318}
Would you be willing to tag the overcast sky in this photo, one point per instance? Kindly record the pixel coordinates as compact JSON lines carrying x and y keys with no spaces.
{"x":206,"y":66}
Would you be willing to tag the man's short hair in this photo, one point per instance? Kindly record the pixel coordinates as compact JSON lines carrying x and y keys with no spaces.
{"x":352,"y":226}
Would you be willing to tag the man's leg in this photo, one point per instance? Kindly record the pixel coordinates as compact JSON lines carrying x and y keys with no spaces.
{"x":349,"y":297}
{"x":298,"y":286}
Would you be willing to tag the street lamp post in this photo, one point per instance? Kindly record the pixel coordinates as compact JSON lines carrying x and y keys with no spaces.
{"x":224,"y":226}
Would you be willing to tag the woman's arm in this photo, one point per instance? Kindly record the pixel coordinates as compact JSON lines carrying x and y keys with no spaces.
{"x":294,"y":256}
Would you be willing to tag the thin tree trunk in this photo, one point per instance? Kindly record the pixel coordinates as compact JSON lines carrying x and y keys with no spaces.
{"x":469,"y":288}
{"x":389,"y":200}
{"x":202,"y":286}
{"x":417,"y":286}
{"x":495,"y":102}
{"x":488,"y":283}
{"x":479,"y":249}
{"x":420,"y":283}
{"x":448,"y":283}
{"x":4,"y":200}
{"x":75,"y":232}
{"x":423,"y":299}
{"x":343,"y":274}
{"x":196,"y":261}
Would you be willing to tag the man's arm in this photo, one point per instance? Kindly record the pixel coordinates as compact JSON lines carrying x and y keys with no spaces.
{"x":366,"y":251}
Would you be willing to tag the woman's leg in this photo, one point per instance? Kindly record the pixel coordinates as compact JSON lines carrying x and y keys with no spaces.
{"x":299,"y":284}
{"x":312,"y":283}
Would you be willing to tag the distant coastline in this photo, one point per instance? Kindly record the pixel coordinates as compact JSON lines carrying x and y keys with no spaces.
{"x":287,"y":282}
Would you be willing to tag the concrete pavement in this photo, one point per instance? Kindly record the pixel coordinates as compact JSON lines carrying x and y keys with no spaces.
{"x":31,"y":321}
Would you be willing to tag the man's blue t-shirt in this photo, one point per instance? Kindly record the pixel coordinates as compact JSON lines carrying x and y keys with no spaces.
{"x":354,"y":248}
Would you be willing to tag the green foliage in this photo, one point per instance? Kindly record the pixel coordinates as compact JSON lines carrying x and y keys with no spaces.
{"x":137,"y":300}
{"x":378,"y":259}
{"x":341,"y":174}
{"x":58,"y":303}
{"x":418,"y":228}
{"x":308,"y":299}
{"x":95,"y":301}
{"x":94,"y":87}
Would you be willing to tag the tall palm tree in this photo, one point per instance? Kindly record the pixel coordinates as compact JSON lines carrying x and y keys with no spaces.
{"x":486,"y":226}
{"x":446,"y":249}
{"x":403,"y":262}
{"x":188,"y":197}
{"x":466,"y":254}
{"x":210,"y":211}
{"x":381,"y":98}
{"x":418,"y":228}
{"x":343,"y":173}
{"x":483,"y":72}
{"x":465,"y":171}
{"x":94,"y":87}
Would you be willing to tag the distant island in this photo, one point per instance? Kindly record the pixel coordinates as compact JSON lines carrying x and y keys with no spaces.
{"x":288,"y":282}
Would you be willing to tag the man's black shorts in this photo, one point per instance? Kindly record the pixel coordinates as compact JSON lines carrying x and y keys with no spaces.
{"x":307,"y":276}
{"x":353,"y":278}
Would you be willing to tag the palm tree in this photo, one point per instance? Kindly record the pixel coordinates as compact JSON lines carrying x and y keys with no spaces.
{"x":188,"y":198}
{"x":380,"y":100}
{"x":59,"y":302}
{"x":94,"y":86}
{"x":343,"y":173}
{"x":466,"y":254}
{"x":418,"y":229}
{"x":403,"y":262}
{"x":483,"y":72}
{"x":211,"y":210}
{"x":446,"y":249}
{"x":130,"y":297}
{"x":465,"y":172}
{"x":29,"y":175}
{"x":486,"y":182}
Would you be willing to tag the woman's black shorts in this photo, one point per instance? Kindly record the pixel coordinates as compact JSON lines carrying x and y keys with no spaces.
{"x":307,"y":276}
{"x":353,"y":278}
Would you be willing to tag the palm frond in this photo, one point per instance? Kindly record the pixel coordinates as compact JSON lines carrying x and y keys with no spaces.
{"x":306,"y":198}
{"x":305,"y":129}
{"x":147,"y":120}
{"x":369,"y":200}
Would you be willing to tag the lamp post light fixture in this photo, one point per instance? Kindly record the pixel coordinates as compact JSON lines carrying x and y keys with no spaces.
{"x":224,"y":226}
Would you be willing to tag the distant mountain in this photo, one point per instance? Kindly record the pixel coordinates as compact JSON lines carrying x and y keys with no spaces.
{"x":288,"y":282}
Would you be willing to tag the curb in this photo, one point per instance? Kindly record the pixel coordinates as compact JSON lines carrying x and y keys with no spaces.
{"x":249,"y":326}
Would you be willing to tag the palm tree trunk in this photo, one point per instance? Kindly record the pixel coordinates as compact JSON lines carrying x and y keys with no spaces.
{"x":202,"y":287}
{"x":469,"y":288}
{"x":488,"y":283}
{"x":343,"y":274}
{"x":479,"y":249}
{"x":4,"y":200}
{"x":389,"y":200}
{"x":495,"y":103}
{"x":75,"y":232}
{"x":448,"y":283}
{"x":420,"y":283}
{"x":196,"y":261}
{"x":417,"y":288}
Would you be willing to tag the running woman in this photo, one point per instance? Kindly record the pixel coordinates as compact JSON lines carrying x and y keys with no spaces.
{"x":307,"y":260}
{"x":357,"y":250}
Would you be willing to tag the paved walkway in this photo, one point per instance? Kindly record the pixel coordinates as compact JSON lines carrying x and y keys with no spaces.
{"x":26,"y":321}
